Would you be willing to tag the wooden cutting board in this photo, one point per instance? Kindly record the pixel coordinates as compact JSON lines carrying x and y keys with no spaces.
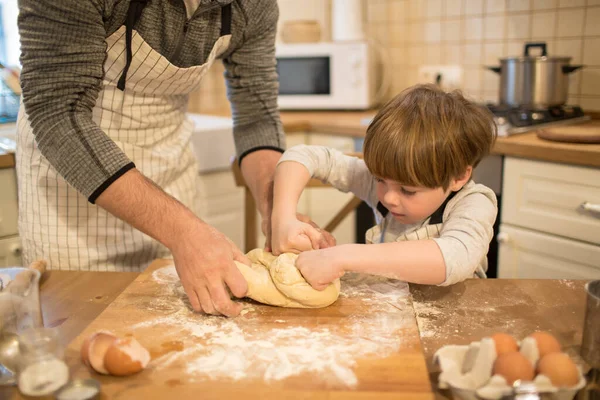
{"x":587,"y":132}
{"x":363,"y":346}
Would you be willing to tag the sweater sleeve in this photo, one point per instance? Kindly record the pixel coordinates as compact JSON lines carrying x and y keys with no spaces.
{"x":62,"y":54}
{"x":252,"y":82}
{"x":345,"y":173}
{"x":466,"y":234}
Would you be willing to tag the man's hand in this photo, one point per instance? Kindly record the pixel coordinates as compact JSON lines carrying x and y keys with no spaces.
{"x":203,"y":256}
{"x":205,"y":264}
{"x":321,"y":267}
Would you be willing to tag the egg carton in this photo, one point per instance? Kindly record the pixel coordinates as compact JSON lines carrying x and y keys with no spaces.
{"x":467,"y":372}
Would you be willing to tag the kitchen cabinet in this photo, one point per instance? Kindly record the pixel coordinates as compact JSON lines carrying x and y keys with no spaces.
{"x":10,"y":245}
{"x":10,"y":251}
{"x":545,"y":232}
{"x":220,"y":203}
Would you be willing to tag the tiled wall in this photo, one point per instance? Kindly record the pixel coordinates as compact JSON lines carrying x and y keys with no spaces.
{"x":469,"y":33}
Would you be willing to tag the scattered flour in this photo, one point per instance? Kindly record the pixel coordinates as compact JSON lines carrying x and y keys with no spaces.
{"x":251,"y":347}
{"x":568,"y":283}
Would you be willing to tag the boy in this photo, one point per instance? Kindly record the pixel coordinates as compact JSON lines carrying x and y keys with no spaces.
{"x":434,"y":224}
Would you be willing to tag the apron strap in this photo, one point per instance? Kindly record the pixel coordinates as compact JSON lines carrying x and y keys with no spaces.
{"x":438,"y":216}
{"x":226,"y":20}
{"x":133,"y":14}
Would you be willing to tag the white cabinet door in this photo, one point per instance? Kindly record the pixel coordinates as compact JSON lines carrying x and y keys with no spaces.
{"x":546,"y":197}
{"x":8,"y":202}
{"x":528,"y":254}
{"x":10,"y":252}
{"x":221,"y":204}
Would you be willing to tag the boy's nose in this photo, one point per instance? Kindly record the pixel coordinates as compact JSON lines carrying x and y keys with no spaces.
{"x":391,"y":198}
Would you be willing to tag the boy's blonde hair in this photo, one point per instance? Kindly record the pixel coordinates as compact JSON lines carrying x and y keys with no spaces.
{"x":427,"y":137}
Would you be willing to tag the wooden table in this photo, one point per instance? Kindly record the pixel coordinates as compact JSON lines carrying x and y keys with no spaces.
{"x":467,"y":311}
{"x":458,"y":314}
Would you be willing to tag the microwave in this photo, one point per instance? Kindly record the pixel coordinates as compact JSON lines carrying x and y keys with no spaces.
{"x":326,"y":76}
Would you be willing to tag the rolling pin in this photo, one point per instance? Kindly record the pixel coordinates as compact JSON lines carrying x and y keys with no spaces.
{"x":22,"y":281}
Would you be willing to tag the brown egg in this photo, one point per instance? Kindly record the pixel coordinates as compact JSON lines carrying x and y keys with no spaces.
{"x":504,"y":343}
{"x":559,"y":368}
{"x":546,"y":343}
{"x":98,"y":345}
{"x":125,"y":357}
{"x":513,"y":366}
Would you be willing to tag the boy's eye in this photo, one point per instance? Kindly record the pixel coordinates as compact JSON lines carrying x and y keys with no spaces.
{"x":408,"y":192}
{"x":379,"y":180}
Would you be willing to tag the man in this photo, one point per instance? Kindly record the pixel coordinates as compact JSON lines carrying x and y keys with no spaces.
{"x":105,"y":88}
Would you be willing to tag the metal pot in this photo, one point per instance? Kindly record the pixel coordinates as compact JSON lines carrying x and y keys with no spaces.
{"x":534,"y":81}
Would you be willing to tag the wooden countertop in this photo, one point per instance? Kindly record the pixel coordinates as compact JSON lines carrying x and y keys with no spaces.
{"x":457,"y":314}
{"x":7,"y":160}
{"x":526,"y":145}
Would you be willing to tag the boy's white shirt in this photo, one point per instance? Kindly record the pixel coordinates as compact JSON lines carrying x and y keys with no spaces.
{"x":468,"y":218}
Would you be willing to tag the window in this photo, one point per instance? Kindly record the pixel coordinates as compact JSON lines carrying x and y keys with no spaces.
{"x":9,"y":34}
{"x":9,"y":57}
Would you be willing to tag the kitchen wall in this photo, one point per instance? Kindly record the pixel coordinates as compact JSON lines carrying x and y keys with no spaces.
{"x":469,"y":33}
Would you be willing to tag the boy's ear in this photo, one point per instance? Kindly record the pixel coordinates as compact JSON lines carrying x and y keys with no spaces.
{"x":458,"y":183}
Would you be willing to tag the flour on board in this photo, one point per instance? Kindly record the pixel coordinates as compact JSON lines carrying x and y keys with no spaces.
{"x":235,"y":348}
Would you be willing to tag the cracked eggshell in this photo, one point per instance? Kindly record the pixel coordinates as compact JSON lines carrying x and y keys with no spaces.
{"x":94,"y":348}
{"x":126,"y":357}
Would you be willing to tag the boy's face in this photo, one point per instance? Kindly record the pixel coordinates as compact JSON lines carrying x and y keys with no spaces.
{"x":411,"y":204}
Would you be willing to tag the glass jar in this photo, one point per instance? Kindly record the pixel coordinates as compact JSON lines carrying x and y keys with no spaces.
{"x":42,"y":369}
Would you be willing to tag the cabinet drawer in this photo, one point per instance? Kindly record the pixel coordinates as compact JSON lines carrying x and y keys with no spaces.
{"x":547,"y":197}
{"x":528,"y":254}
{"x":216,"y":184}
{"x":10,"y":252}
{"x":8,"y":202}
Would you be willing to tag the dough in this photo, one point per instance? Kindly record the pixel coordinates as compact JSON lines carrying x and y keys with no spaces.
{"x":276,"y":281}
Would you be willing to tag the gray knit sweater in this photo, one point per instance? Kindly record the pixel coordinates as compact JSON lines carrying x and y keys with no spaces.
{"x":63,"y":51}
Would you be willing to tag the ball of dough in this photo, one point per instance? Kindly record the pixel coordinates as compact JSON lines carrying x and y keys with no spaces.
{"x":276,"y":281}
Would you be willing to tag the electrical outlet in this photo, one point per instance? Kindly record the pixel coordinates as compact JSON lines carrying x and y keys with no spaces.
{"x":448,"y":77}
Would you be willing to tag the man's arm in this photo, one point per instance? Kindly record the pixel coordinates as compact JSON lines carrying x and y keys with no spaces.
{"x":252,"y":88}
{"x":62,"y":53}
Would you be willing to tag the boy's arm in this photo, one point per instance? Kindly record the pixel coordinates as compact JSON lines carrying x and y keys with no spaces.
{"x":451,"y":258}
{"x":412,"y":261}
{"x":290,"y":180}
{"x":345,"y":173}
{"x":287,"y":232}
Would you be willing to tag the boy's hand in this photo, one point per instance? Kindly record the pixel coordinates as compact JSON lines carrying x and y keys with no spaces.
{"x":326,"y":240}
{"x":294,"y":236}
{"x":320,"y":267}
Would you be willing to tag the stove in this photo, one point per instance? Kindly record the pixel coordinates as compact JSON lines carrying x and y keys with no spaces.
{"x":515,"y":120}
